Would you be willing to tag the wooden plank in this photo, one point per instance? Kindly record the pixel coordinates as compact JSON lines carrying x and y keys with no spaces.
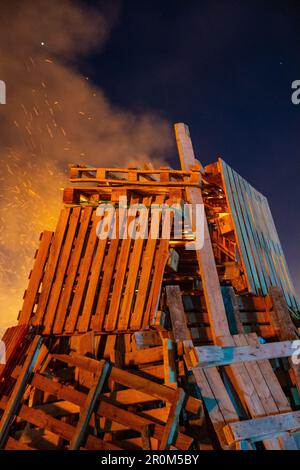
{"x":51,"y":267}
{"x":240,"y":232}
{"x":252,"y":236}
{"x":254,"y":212}
{"x":97,"y":266}
{"x":212,"y":356}
{"x":133,"y":269}
{"x":173,"y":420}
{"x":246,"y":389}
{"x":120,"y":277}
{"x":63,"y":261}
{"x":146,"y":339}
{"x":83,"y":274}
{"x":19,"y":388}
{"x":177,"y":314}
{"x":278,"y":394}
{"x":146,"y":268}
{"x":205,"y":256}
{"x":216,"y":401}
{"x":144,"y":356}
{"x":89,"y":406}
{"x":262,"y":428}
{"x":36,"y":278}
{"x":76,"y":255}
{"x":160,"y":261}
{"x":258,"y":380}
{"x":109,"y":263}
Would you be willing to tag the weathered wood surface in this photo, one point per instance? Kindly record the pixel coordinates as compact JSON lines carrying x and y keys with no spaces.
{"x":261,"y":253}
{"x":210,"y":356}
{"x":262,"y":428}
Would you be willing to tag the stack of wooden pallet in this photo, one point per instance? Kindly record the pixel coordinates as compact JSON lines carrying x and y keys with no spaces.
{"x":137,"y":342}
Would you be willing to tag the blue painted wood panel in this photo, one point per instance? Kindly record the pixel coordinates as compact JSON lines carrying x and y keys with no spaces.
{"x":260,"y":249}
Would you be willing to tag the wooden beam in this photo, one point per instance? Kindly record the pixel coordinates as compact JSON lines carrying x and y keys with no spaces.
{"x":173,"y":419}
{"x":262,"y":428}
{"x":211,"y":356}
{"x":178,"y":318}
{"x":205,"y":256}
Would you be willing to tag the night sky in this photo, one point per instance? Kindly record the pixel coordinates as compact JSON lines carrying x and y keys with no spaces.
{"x":225,"y":68}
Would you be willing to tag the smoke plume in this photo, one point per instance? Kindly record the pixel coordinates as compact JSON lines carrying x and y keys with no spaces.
{"x":54,"y":116}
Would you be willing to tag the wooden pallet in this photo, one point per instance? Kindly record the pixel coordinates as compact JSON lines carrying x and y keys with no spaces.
{"x":63,"y":416}
{"x":139,"y":333}
{"x":80,"y":282}
{"x":261,"y":252}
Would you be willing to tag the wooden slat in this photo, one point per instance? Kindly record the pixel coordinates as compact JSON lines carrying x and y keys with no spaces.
{"x":278,"y":394}
{"x":261,"y":252}
{"x":259,"y":381}
{"x":212,"y":356}
{"x":72,"y":271}
{"x":146,"y":268}
{"x":173,"y":419}
{"x":177,"y":314}
{"x":133,"y":269}
{"x":36,"y":278}
{"x":246,"y":389}
{"x":57,"y":282}
{"x":262,"y":428}
{"x":120,"y":277}
{"x":89,"y":406}
{"x":109,"y":263}
{"x":57,"y":242}
{"x":160,"y":261}
{"x":232,"y":310}
{"x":241,"y":236}
{"x":97,"y":266}
{"x":83,"y":274}
{"x":216,"y":400}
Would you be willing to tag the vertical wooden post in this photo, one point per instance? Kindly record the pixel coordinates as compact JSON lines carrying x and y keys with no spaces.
{"x":205,"y":256}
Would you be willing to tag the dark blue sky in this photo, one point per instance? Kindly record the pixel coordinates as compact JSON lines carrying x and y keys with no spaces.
{"x":225,"y":68}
